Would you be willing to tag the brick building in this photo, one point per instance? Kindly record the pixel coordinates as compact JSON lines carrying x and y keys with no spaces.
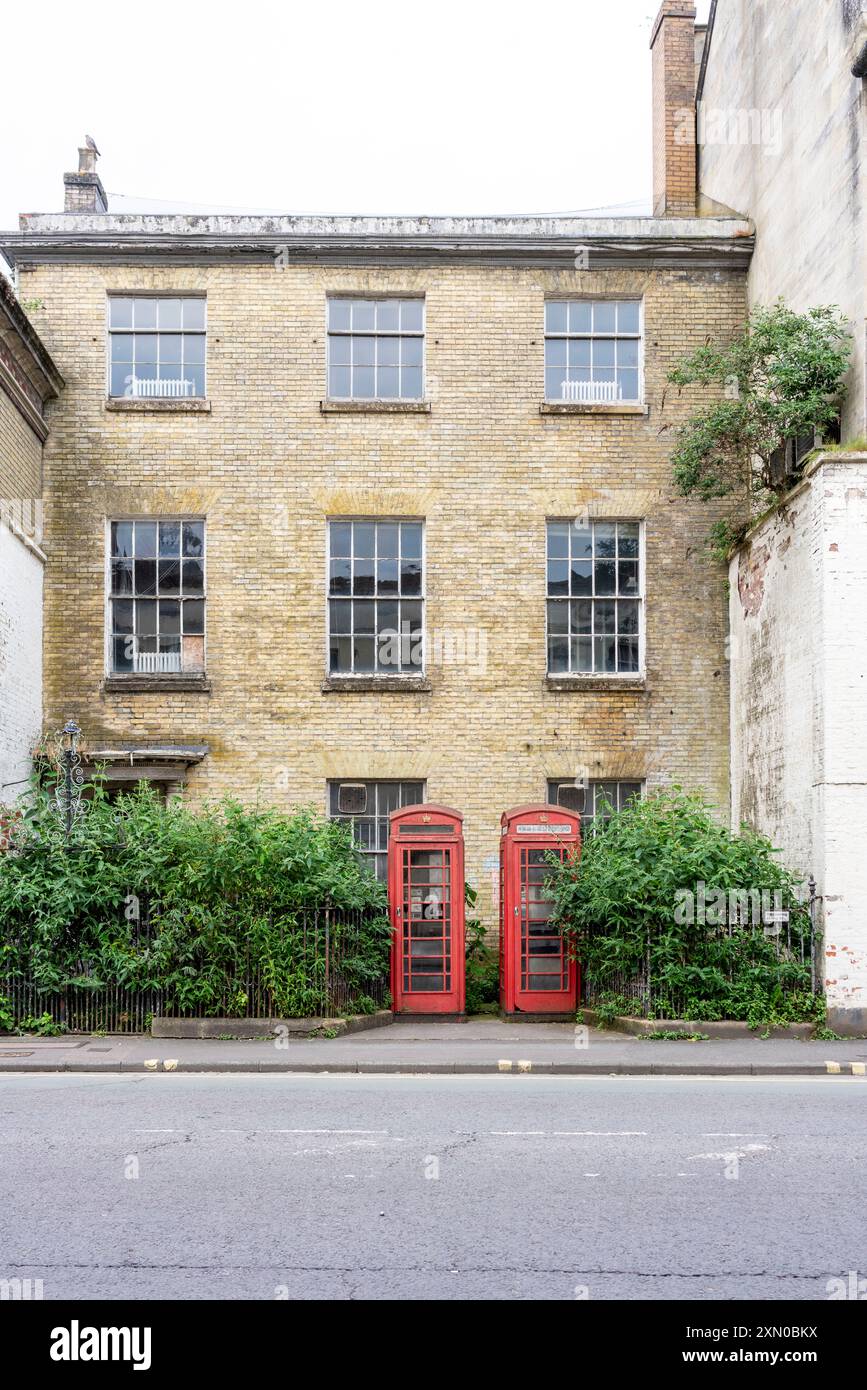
{"x":285,"y":439}
{"x":28,"y":380}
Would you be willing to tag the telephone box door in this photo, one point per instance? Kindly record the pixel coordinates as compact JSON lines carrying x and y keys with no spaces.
{"x":539,"y":974}
{"x":426,"y":903}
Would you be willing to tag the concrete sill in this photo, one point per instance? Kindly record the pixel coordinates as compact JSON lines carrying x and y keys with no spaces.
{"x":603,"y":408}
{"x":157,"y":685}
{"x":124,"y":405}
{"x":380,"y":685}
{"x":596,"y":684}
{"x":374,"y":407}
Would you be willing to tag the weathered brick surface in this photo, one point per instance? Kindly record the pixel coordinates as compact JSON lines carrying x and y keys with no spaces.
{"x":484,"y":469}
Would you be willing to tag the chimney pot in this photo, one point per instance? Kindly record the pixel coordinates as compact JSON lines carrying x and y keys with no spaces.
{"x":83,"y":190}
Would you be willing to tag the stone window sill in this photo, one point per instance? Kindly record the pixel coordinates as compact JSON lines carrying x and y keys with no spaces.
{"x":621,"y":685}
{"x":374,"y":407}
{"x":157,"y":685}
{"x":144,"y":405}
{"x":392,"y":685}
{"x":603,"y":408}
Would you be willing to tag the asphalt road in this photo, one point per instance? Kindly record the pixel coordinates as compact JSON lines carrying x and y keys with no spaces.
{"x":456,"y":1187}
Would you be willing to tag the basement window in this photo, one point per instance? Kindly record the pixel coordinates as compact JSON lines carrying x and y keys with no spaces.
{"x":157,"y":597}
{"x":595,"y":591}
{"x":593,"y":351}
{"x":375,"y":349}
{"x":593,"y":801}
{"x":366,"y":807}
{"x":156,"y":347}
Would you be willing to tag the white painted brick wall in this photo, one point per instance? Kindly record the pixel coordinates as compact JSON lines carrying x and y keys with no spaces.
{"x":20,"y":660}
{"x":798,"y":614}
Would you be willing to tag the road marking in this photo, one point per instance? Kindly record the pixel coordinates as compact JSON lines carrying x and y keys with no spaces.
{"x":730,"y":1134}
{"x":570,"y":1133}
{"x":512,"y":1133}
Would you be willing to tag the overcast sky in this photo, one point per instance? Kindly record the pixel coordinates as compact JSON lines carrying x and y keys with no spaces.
{"x":458,"y":106}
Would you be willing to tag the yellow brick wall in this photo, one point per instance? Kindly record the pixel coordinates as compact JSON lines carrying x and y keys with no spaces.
{"x":484,"y":469}
{"x":20,"y":460}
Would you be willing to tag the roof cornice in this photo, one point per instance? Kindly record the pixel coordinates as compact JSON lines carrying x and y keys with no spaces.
{"x":608,"y":242}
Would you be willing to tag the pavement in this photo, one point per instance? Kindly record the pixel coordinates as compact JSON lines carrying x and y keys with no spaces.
{"x":476,"y":1045}
{"x":436,"y":1187}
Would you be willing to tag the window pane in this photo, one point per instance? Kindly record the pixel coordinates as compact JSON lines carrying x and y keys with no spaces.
{"x":412,"y":315}
{"x":604,"y":317}
{"x":388,"y":315}
{"x":170,"y":347}
{"x":582,"y":616}
{"x":365,"y":653}
{"x":170,"y":537}
{"x":581,"y":577}
{"x":411,"y":351}
{"x":628,"y":380}
{"x":193,"y":576}
{"x":194,"y":314}
{"x":558,"y":654}
{"x":558,"y":577}
{"x":627,"y":352}
{"x":627,"y":541}
{"x":340,"y":576}
{"x":123,"y":649}
{"x":170,"y":617}
{"x":363,"y":383}
{"x":558,"y":617}
{"x":363,"y":314}
{"x":121,"y":538}
{"x":605,"y":654}
{"x":605,"y":534}
{"x":121,"y":380}
{"x":194,"y":615}
{"x":339,"y":382}
{"x":580,"y":316}
{"x":120,"y":313}
{"x":340,"y":654}
{"x":582,"y":653}
{"x":410,"y":577}
{"x":146,"y":539}
{"x":145,"y":576}
{"x":169,"y":577}
{"x":146,"y":347}
{"x":194,"y":538}
{"x":558,"y":540}
{"x":339,"y":313}
{"x":603,"y":352}
{"x":410,"y":540}
{"x":605,"y":617}
{"x":580,"y":351}
{"x":628,"y":576}
{"x":122,"y":614}
{"x":193,"y":348}
{"x":605,"y":577}
{"x":554,"y":379}
{"x":364,"y":616}
{"x":363,"y":351}
{"x":169,"y":314}
{"x":362,"y":575}
{"x":365,"y":538}
{"x":387,"y":541}
{"x":196,"y":376}
{"x":627,"y":617}
{"x":340,"y":536}
{"x":145,"y":313}
{"x":386,"y":576}
{"x":555,"y":352}
{"x":582,"y":542}
{"x":340,"y":350}
{"x":145,"y":617}
{"x":628,"y":317}
{"x":555,"y":316}
{"x":627,"y":649}
{"x":411,"y":384}
{"x":122,"y":347}
{"x":388,"y":383}
{"x":340,"y":615}
{"x":121,"y":576}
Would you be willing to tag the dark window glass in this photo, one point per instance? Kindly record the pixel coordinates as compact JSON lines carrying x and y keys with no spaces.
{"x":378,"y":565}
{"x":370,"y":825}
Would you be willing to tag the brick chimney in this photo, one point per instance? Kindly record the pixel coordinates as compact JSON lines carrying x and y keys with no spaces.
{"x":83,"y":191}
{"x":672,"y":45}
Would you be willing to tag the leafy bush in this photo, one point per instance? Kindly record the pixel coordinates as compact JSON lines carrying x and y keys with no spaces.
{"x":483,"y":964}
{"x":154,"y":896}
{"x":619,"y":903}
{"x":783,"y":378}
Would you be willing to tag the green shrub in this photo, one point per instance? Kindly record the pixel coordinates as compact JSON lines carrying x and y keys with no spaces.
{"x":483,"y":964}
{"x":225,"y":889}
{"x":621,"y":905}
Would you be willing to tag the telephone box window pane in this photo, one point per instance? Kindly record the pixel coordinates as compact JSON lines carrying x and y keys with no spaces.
{"x":376,"y":560}
{"x":601,"y":564}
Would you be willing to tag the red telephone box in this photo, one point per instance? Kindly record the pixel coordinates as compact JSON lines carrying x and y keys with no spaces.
{"x":426,"y":903}
{"x":537,"y":974}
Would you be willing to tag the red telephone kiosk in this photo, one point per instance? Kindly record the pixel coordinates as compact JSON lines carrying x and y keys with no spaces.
{"x":426,"y":904}
{"x":537,"y":974}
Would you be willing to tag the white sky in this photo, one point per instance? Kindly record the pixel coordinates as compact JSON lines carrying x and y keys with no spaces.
{"x":457,"y":106}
